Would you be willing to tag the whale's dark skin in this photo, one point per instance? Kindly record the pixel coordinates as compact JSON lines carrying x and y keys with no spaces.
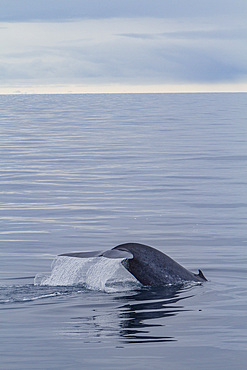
{"x":152,"y":267}
{"x":148,"y":265}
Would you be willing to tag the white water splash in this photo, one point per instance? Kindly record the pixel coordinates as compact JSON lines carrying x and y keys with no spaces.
{"x":97,"y":273}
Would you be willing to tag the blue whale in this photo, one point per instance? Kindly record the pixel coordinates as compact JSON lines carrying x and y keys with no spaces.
{"x":148,"y":265}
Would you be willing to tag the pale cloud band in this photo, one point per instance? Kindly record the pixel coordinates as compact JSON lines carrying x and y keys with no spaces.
{"x":108,"y":49}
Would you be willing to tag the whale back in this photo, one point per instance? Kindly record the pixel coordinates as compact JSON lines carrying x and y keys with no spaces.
{"x":152,"y":267}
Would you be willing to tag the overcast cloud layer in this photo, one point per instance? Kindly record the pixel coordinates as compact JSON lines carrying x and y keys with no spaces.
{"x":111,"y":42}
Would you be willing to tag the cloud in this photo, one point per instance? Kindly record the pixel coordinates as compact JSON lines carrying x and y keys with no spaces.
{"x":61,"y":10}
{"x":215,"y":34}
{"x":103,"y":43}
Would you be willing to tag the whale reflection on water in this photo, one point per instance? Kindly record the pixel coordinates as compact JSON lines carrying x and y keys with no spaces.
{"x":146,"y":305}
{"x":141,"y":316}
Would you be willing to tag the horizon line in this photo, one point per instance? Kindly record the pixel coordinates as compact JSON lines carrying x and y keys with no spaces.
{"x":123,"y":89}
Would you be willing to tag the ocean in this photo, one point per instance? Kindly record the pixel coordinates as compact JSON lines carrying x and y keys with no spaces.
{"x":85,"y":172}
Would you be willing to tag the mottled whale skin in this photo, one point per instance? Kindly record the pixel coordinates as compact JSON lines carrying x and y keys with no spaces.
{"x":148,"y":265}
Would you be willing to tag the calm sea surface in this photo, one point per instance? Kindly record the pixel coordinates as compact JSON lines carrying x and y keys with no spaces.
{"x":88,"y":172}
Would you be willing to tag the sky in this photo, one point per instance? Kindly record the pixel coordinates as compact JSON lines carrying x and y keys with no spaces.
{"x":66,"y":46}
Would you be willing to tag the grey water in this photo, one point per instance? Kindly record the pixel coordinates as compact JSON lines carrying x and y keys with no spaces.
{"x":89,"y":172}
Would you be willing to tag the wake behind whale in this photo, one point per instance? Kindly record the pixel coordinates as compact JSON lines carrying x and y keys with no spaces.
{"x":132,"y":263}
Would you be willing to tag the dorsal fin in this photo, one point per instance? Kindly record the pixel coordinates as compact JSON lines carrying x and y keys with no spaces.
{"x":200,"y":275}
